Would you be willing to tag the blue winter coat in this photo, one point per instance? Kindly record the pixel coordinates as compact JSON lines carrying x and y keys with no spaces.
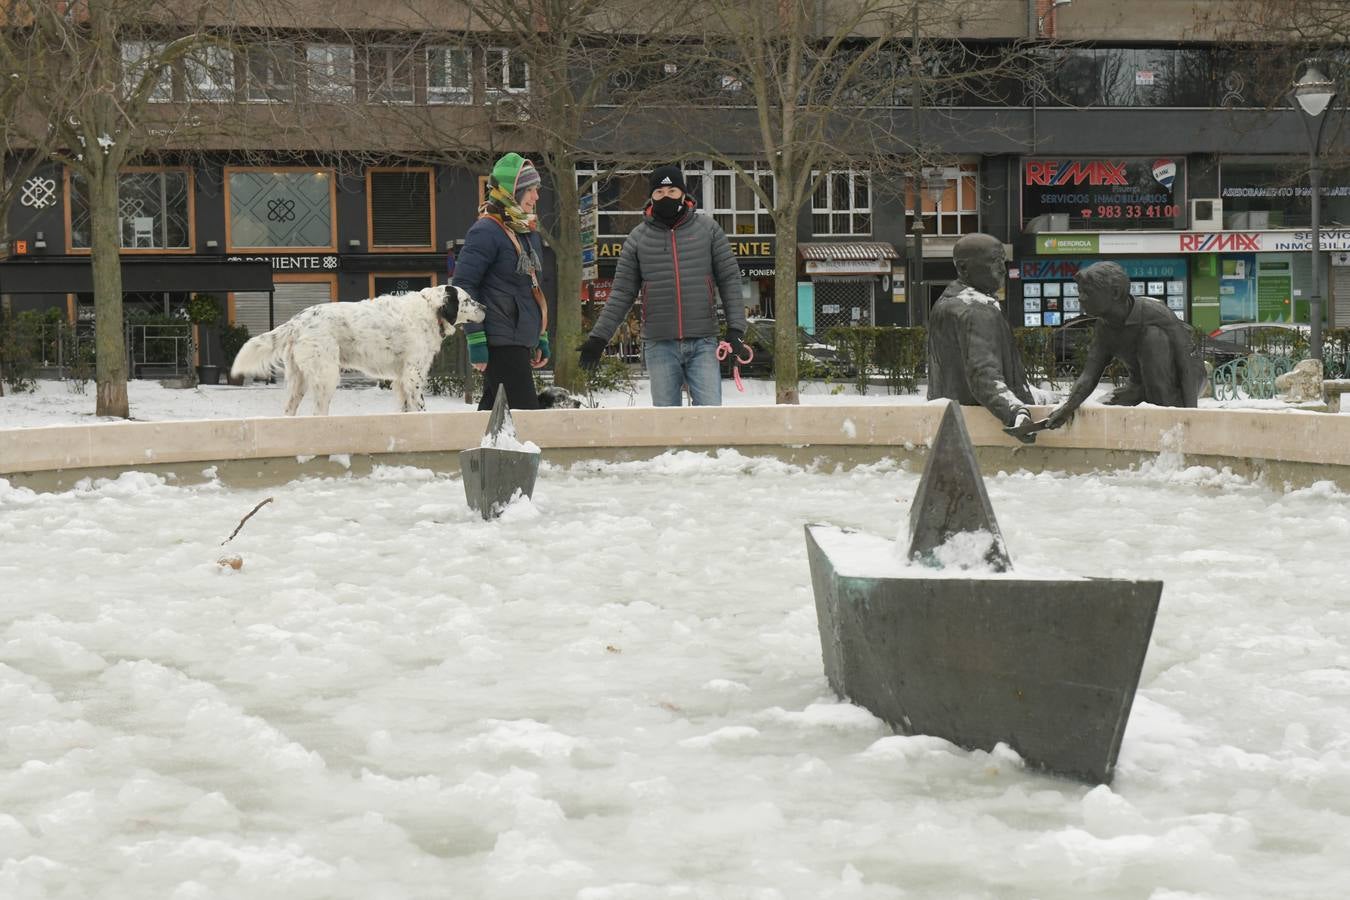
{"x":486,"y":268}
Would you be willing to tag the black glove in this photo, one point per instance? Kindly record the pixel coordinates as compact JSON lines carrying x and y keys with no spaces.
{"x":737,"y":354}
{"x":591,"y":350}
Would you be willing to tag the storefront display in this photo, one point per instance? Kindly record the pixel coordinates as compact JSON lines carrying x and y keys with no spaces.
{"x":1050,"y":295}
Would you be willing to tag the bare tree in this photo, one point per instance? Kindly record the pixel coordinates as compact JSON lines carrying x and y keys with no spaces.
{"x":550,"y":66}
{"x":24,"y":140}
{"x":819,"y":86}
{"x":97,"y":67}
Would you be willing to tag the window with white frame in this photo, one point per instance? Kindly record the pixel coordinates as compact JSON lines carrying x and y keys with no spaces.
{"x":271,"y":72}
{"x":140,"y":58}
{"x":389,"y":74}
{"x":620,"y":196}
{"x":153,"y":210}
{"x":330,"y":71}
{"x":505,"y":71}
{"x":958,"y":211}
{"x":733,"y":203}
{"x":448,"y":75}
{"x":208,"y":74}
{"x":842,"y":203}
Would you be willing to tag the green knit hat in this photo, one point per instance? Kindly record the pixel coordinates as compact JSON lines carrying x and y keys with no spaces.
{"x":515,"y":173}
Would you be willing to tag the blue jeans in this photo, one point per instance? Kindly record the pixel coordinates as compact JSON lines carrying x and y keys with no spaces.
{"x":672,"y":364}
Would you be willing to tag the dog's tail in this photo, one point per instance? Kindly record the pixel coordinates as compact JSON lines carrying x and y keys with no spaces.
{"x":264,"y":354}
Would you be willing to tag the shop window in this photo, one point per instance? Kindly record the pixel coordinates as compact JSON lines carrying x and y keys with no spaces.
{"x":448,"y":75}
{"x":154,"y":210}
{"x":1275,"y":193}
{"x":330,"y":71}
{"x":400,"y":208}
{"x":505,"y":71}
{"x":144,"y":59}
{"x":1135,"y":77}
{"x":842,"y":204}
{"x":389,"y":74}
{"x":958,"y":211}
{"x":208,"y":75}
{"x":271,"y":72}
{"x":280,"y":208}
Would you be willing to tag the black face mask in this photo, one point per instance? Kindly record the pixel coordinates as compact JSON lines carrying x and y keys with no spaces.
{"x":668,"y":209}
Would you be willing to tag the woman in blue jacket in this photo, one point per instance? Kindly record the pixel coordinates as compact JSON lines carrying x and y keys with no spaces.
{"x":499,"y":266}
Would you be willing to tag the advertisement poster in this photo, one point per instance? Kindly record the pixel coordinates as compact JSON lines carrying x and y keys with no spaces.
{"x":1106,"y":194}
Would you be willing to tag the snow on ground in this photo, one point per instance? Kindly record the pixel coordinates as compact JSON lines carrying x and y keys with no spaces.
{"x":56,"y":404}
{"x":616,"y":692}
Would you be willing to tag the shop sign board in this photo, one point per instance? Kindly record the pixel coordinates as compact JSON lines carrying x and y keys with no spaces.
{"x":1125,"y":192}
{"x":848,"y":267}
{"x":1067,"y":244}
{"x":756,"y":255}
{"x":293,"y":262}
{"x":1115,"y":243}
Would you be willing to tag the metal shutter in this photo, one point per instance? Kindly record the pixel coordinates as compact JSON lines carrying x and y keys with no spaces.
{"x":400,"y":209}
{"x":843,"y":300}
{"x":1340,"y":293}
{"x":250,"y":307}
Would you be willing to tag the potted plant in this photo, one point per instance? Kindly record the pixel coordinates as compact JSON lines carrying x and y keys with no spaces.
{"x":204,"y":312}
{"x":232,"y":338}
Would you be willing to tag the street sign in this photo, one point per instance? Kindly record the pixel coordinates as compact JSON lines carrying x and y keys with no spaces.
{"x":589,"y":225}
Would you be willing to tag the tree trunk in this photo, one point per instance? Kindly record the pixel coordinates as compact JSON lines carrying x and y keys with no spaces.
{"x":110,"y":371}
{"x":567,"y":246}
{"x":785,"y":309}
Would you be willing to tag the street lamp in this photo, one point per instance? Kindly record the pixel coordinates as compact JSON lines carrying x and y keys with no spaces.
{"x":933,"y":183}
{"x":1313,"y":92}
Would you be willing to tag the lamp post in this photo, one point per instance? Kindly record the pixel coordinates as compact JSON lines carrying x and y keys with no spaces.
{"x":933,"y":184}
{"x":1313,"y":92}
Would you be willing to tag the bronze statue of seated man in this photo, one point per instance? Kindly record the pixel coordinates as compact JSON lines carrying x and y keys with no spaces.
{"x":972,"y":357}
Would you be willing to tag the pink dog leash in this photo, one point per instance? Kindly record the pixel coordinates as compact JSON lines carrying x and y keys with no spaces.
{"x":724,"y":350}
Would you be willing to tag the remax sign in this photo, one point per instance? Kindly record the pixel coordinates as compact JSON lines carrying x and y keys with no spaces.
{"x":1096,"y":172}
{"x":1219,"y":242}
{"x":1134,"y":193}
{"x":1113,"y":243}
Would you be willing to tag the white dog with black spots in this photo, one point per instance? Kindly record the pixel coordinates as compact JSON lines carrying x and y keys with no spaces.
{"x":393,"y":336}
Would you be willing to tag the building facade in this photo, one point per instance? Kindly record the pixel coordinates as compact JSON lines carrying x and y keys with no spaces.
{"x":1131,"y":144}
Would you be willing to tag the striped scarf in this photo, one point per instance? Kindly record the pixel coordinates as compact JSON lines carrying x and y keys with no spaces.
{"x":529,"y":262}
{"x":516,"y":218}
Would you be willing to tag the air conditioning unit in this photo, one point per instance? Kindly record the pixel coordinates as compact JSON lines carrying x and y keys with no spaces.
{"x":510,"y":111}
{"x":1207,"y":214}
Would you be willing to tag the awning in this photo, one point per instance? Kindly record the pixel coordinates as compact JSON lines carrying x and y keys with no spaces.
{"x":851,"y":250}
{"x":179,"y":274}
{"x":847,"y":258}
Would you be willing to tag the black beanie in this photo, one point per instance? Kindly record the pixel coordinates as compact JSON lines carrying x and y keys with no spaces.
{"x":667,"y":176}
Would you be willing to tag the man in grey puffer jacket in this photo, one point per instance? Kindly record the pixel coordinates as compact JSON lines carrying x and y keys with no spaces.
{"x":673,"y":257}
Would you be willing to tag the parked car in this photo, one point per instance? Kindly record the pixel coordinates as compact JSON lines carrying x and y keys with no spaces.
{"x":1279,"y":336}
{"x":760,"y":336}
{"x":1071,"y":341}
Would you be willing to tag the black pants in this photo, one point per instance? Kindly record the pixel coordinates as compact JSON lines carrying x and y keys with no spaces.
{"x":510,"y":367}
